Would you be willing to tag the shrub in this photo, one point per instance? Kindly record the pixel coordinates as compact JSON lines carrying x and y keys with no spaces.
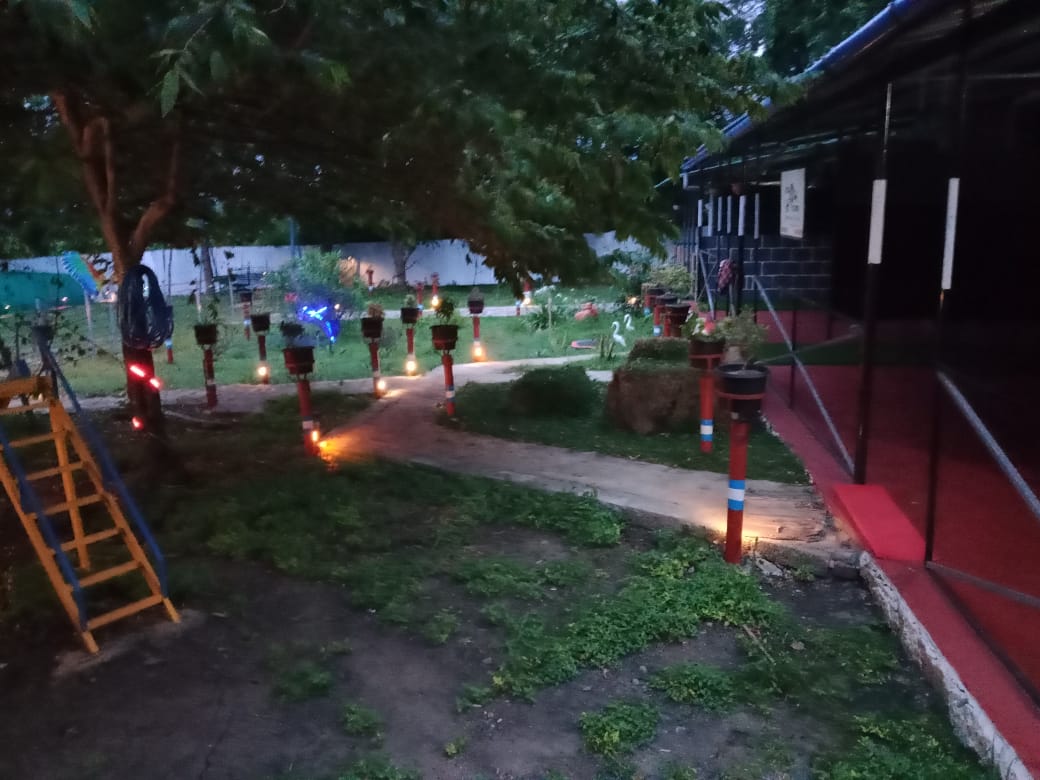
{"x":619,"y":728}
{"x":549,"y":392}
{"x":668,"y":350}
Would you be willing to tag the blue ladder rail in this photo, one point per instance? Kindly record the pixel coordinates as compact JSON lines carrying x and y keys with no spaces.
{"x":31,"y":501}
{"x":109,"y":473}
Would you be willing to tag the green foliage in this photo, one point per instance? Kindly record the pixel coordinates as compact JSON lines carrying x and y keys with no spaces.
{"x":706,"y":686}
{"x":667,"y":350}
{"x":358,"y":720}
{"x":440,"y":626}
{"x":473,"y":696}
{"x":673,"y":771}
{"x":557,"y":391}
{"x":797,"y":32}
{"x":499,"y":577}
{"x":743,"y":332}
{"x":619,"y":728}
{"x":376,"y":769}
{"x":672,"y":277}
{"x":298,"y":679}
{"x":894,"y":749}
{"x":454,"y":748}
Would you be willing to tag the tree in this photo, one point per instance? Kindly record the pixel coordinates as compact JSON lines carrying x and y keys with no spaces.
{"x":401,"y":251}
{"x":796,"y":33}
{"x":517,"y":125}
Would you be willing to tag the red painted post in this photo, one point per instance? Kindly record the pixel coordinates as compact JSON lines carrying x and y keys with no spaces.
{"x":310,"y":430}
{"x":369,"y":272}
{"x":738,"y":445}
{"x":265,"y":370}
{"x":169,"y":351}
{"x":373,"y":353}
{"x":478,"y":348}
{"x":207,"y":372}
{"x":707,"y":382}
{"x":436,"y":279}
{"x":449,"y":384}
{"x":658,"y":311}
{"x":518,"y":308}
{"x":419,"y":286}
{"x":247,"y":309}
{"x":410,"y":333}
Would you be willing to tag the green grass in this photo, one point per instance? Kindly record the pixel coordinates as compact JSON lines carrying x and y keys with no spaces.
{"x":358,"y":720}
{"x":299,"y":679}
{"x":484,"y":409}
{"x":619,"y":728}
{"x":698,"y":684}
{"x":505,"y":338}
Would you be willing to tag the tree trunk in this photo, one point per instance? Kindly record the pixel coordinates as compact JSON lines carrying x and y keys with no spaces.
{"x":401,"y":252}
{"x":207,"y":268}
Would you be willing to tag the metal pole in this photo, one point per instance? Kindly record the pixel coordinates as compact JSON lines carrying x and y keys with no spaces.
{"x":953,"y":190}
{"x":874,"y":255}
{"x":373,"y":354}
{"x":478,"y":349}
{"x":739,"y":277}
{"x":738,"y":446}
{"x":303,"y":392}
{"x":207,"y":373}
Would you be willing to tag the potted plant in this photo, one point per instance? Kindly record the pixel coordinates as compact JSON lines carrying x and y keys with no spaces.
{"x":261,"y":323}
{"x":475,"y":301}
{"x":410,"y":311}
{"x":206,"y":329}
{"x":706,"y":340}
{"x":677,"y":314}
{"x":744,"y":337}
{"x":446,"y":332}
{"x":372,"y":322}
{"x":297,"y":348}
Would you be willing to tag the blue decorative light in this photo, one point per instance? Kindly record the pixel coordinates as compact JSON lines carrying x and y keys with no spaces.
{"x":326,"y":316}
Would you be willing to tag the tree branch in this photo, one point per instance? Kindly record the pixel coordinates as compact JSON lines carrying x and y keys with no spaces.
{"x":110,"y":169}
{"x":159,"y":208}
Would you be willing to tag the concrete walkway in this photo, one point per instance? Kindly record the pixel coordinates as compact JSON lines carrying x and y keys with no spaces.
{"x":403,"y":426}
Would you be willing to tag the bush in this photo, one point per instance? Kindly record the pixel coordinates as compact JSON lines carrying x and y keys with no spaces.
{"x":668,"y":350}
{"x":549,"y":392}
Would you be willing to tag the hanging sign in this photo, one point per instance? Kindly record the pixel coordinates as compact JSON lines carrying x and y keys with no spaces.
{"x":792,"y":203}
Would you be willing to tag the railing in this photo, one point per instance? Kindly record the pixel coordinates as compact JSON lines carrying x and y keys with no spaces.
{"x":706,"y":283}
{"x":799,"y":366}
{"x":109,"y":473}
{"x":31,"y":501}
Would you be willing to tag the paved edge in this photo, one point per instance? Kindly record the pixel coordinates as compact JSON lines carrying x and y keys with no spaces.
{"x":969,"y":719}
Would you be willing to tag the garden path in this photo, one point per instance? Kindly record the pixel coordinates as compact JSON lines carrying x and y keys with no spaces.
{"x":403,"y":426}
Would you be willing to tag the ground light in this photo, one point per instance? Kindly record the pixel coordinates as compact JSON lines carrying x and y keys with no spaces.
{"x":410,"y":366}
{"x":261,"y":324}
{"x":299,"y":361}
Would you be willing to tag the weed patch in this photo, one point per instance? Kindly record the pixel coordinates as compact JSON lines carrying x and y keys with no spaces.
{"x":705,"y":686}
{"x":359,"y":721}
{"x":299,"y":679}
{"x":619,"y":728}
{"x":440,"y":626}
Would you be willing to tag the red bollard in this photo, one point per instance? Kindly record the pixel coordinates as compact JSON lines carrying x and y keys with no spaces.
{"x":738,"y":446}
{"x":169,"y":351}
{"x":247,"y":308}
{"x":518,"y":308}
{"x":409,"y":364}
{"x":264,"y":370}
{"x":207,"y":372}
{"x":369,"y":272}
{"x":658,"y":311}
{"x":419,"y":286}
{"x":527,"y":292}
{"x":436,"y":280}
{"x":378,"y":385}
{"x":449,"y":384}
{"x":707,"y":382}
{"x":478,"y":348}
{"x":311,"y":434}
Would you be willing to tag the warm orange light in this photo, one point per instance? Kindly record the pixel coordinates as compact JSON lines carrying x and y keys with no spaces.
{"x":410,"y":366}
{"x":381,"y":386}
{"x":315,"y":435}
{"x":137,"y":423}
{"x":262,"y":370}
{"x":435,"y":301}
{"x":478,"y":352}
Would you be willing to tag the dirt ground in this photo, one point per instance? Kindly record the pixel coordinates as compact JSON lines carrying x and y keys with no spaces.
{"x":200,"y":704}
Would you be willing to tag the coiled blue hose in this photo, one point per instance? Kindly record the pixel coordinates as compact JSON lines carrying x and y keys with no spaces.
{"x":145,"y":319}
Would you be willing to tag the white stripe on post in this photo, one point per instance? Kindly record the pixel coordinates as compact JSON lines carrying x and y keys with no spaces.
{"x":877,"y":221}
{"x":953,"y":196}
{"x":740,"y":215}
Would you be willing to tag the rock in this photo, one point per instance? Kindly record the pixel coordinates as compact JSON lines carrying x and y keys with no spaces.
{"x":768,"y":568}
{"x":653,"y":397}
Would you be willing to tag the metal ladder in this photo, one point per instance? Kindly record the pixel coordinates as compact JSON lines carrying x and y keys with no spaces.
{"x":87,"y":478}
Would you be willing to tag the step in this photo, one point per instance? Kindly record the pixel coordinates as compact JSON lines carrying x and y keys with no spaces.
{"x":108,"y":574}
{"x":94,"y":498}
{"x":45,"y":473}
{"x":123,"y":612}
{"x":100,"y":536}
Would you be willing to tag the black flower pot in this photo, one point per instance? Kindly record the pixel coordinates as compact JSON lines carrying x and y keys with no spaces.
{"x":677,"y":315}
{"x":445,"y":337}
{"x":261,"y":323}
{"x":744,"y":379}
{"x":667,"y":299}
{"x":475,"y":306}
{"x":245,"y":296}
{"x":371,"y":327}
{"x":705,"y":347}
{"x":206,"y":334}
{"x":409,"y":315}
{"x":299,"y":360}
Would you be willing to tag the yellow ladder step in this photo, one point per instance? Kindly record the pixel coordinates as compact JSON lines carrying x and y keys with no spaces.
{"x":100,"y":536}
{"x":122,"y":612}
{"x":65,"y":506}
{"x":54,"y":472}
{"x":28,"y":441}
{"x":25,"y":407}
{"x":108,"y":574}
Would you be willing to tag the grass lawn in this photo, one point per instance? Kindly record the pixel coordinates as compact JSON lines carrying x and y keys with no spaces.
{"x":485,"y":408}
{"x":504,"y":338}
{"x":378,"y":621}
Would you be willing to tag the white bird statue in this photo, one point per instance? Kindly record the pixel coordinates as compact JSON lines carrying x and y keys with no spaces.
{"x":628,"y":322}
{"x":618,"y":338}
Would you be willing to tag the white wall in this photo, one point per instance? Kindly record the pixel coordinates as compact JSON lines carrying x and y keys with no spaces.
{"x":446,"y":258}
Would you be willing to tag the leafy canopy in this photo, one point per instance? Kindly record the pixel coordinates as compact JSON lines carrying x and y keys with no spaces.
{"x":517,"y":125}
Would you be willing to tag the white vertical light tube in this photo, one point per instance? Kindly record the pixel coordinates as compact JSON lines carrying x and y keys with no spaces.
{"x":953,"y":195}
{"x":877,"y":221}
{"x":741,"y":213}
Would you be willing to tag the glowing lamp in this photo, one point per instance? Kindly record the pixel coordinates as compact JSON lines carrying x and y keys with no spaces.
{"x":137,"y":371}
{"x":137,"y":423}
{"x":315,"y":436}
{"x":381,"y":386}
{"x":262,"y":370}
{"x":155,"y":382}
{"x":527,"y":299}
{"x":410,"y":366}
{"x":435,"y":301}
{"x":478,"y":351}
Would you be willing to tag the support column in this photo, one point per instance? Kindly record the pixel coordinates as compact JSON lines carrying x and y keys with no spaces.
{"x":207,"y":373}
{"x":478,"y":348}
{"x":707,"y":403}
{"x":874,"y":255}
{"x":264,"y":370}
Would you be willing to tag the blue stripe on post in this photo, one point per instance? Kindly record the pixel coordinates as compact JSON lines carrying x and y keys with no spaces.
{"x":736,"y":495}
{"x":707,"y":430}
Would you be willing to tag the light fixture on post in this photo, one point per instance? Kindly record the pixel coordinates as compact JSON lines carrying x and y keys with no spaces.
{"x":410,"y":316}
{"x":299,"y":362}
{"x":445,"y":338}
{"x":475,"y":303}
{"x":245,"y":297}
{"x":372,"y":332}
{"x":261,"y":324}
{"x":435,"y":300}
